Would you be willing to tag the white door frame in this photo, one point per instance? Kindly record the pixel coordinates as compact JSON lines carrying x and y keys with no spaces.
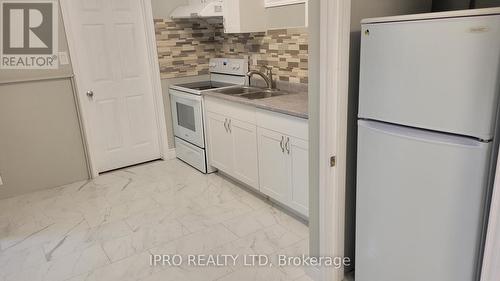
{"x":334,"y":80}
{"x":147,"y":13}
{"x":491,"y":262}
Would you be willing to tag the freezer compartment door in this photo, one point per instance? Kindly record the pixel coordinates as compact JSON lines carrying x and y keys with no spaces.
{"x":419,"y":204}
{"x":440,"y":74}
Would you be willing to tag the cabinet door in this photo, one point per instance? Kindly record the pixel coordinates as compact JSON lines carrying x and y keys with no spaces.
{"x":298,"y":151}
{"x":220,"y":143}
{"x":273,"y":168}
{"x":245,"y":164}
{"x":244,"y":16}
{"x":231,"y":17}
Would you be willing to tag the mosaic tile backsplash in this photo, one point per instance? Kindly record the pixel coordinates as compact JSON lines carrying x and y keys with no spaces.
{"x":185,"y":47}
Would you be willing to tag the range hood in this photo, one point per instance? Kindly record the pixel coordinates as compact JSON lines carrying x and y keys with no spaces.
{"x":208,"y":9}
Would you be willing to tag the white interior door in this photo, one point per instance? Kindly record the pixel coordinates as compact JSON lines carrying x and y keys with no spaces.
{"x":110,"y":55}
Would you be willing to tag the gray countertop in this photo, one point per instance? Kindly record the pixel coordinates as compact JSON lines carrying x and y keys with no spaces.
{"x":294,"y":104}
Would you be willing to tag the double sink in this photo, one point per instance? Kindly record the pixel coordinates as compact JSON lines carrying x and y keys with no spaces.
{"x":251,"y":93}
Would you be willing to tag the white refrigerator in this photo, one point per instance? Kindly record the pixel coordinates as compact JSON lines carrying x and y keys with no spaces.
{"x":428,"y":107}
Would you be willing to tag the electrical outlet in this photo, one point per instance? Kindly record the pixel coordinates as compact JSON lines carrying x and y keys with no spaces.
{"x":1,"y":182}
{"x":63,"y":58}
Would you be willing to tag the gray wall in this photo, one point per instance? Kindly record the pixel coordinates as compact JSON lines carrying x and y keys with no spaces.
{"x":487,"y":3}
{"x":40,"y":144}
{"x":448,"y":5}
{"x":365,"y":9}
{"x":40,"y":141}
{"x":27,"y":75}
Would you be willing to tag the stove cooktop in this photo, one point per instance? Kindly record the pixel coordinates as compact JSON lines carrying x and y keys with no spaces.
{"x":203,"y":85}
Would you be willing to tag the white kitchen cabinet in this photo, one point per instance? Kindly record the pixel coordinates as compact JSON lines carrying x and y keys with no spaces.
{"x":232,"y":148}
{"x":284,"y":169}
{"x":284,"y":151}
{"x":265,"y":150}
{"x":245,"y":165}
{"x":299,"y":175}
{"x":219,"y":142}
{"x":244,"y":16}
{"x":273,"y":168}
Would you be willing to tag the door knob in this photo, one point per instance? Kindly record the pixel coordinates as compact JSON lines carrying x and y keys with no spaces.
{"x":90,"y":94}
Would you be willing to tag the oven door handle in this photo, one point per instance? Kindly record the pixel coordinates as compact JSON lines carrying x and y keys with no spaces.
{"x":185,"y":96}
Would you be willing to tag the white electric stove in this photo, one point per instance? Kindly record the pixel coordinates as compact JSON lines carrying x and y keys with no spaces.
{"x":187,"y":109}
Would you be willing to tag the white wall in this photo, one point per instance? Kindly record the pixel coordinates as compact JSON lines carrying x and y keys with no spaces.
{"x":163,"y":8}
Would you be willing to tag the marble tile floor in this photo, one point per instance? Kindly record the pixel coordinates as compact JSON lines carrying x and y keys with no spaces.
{"x":106,"y":229}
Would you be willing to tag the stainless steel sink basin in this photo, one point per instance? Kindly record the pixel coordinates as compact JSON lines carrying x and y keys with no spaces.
{"x":262,"y":95}
{"x":251,"y":93}
{"x":238,"y":91}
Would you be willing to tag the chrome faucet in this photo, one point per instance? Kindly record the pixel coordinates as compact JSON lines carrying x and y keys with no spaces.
{"x":268,"y":78}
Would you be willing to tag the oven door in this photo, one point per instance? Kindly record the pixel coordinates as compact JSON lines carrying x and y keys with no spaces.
{"x":187,"y":117}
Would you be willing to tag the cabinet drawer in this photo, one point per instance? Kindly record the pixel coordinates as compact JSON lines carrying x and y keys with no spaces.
{"x":289,"y":125}
{"x":231,"y":109}
{"x":191,"y":154}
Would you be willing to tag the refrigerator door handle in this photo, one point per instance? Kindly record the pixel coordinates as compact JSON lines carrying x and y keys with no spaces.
{"x":421,"y":134}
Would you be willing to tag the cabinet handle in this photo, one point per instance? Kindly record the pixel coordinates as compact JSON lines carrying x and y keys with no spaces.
{"x":281,"y":144}
{"x":225,"y":124}
{"x":229,"y":126}
{"x":287,"y":145}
